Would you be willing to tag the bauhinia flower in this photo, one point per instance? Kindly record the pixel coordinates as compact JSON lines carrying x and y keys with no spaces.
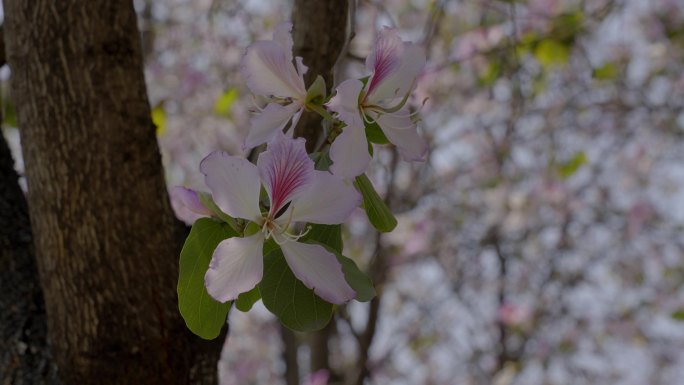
{"x":270,"y":72}
{"x":297,"y":193}
{"x":394,"y":66}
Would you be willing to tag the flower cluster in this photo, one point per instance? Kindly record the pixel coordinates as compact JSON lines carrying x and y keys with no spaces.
{"x":296,"y":194}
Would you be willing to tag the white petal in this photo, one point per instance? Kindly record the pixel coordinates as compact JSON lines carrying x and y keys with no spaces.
{"x":267,"y":122}
{"x":301,"y":68}
{"x":327,"y":200}
{"x":402,"y":132}
{"x":234,"y":184}
{"x":346,"y":102}
{"x":236,"y":267}
{"x":282,"y":34}
{"x":349,"y":152}
{"x":295,"y":120}
{"x":268,"y":69}
{"x":319,"y":270}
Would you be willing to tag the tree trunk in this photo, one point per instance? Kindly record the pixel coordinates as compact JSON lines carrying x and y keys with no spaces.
{"x":320,"y":35}
{"x":24,"y":353}
{"x":106,"y":240}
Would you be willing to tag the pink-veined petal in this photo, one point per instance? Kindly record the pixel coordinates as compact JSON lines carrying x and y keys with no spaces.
{"x":346,"y":102}
{"x":319,"y":270}
{"x":285,"y":168}
{"x":327,"y":200}
{"x":184,"y":199}
{"x":234,"y":184}
{"x":236,"y":267}
{"x":269,"y":71}
{"x":282,"y":34}
{"x":402,"y":132}
{"x":385,"y":57}
{"x":349,"y":152}
{"x":395,"y":65}
{"x":265,"y":124}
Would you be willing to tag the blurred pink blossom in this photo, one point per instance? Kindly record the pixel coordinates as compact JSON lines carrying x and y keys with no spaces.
{"x":318,"y":378}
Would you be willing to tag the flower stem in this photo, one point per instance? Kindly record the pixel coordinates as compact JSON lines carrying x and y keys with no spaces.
{"x":320,"y":111}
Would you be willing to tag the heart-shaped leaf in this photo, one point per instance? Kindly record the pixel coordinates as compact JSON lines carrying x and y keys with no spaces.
{"x":295,"y":305}
{"x":203,"y":315}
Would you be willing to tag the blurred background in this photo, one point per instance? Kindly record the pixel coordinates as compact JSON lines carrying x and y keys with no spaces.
{"x":541,"y":241}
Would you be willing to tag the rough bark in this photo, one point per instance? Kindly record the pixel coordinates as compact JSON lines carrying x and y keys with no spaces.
{"x":320,"y":35}
{"x":24,"y":352}
{"x":106,"y":241}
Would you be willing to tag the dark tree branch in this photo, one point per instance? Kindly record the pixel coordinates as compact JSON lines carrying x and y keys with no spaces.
{"x":289,"y":354}
{"x":378,"y":274}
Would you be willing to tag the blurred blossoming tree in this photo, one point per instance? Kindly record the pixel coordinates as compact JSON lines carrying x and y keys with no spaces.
{"x":540,"y":244}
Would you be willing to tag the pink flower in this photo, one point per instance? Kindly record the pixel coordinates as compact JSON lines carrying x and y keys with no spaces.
{"x":394,"y":66}
{"x":270,"y":72}
{"x":297,"y":193}
{"x":186,"y":204}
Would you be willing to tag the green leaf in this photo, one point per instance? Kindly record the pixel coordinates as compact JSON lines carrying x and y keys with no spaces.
{"x":375,"y":135}
{"x":491,"y":74}
{"x":159,"y":119}
{"x":322,"y":161}
{"x":295,"y":305}
{"x":379,"y":215}
{"x":224,"y":104}
{"x":551,"y":53}
{"x":566,"y":26}
{"x":567,"y":169}
{"x":317,"y":92}
{"x":678,"y":314}
{"x":203,"y":315}
{"x":207,"y":201}
{"x":607,"y":71}
{"x":358,"y":281}
{"x":246,"y":300}
{"x":328,"y":235}
{"x":9,"y":113}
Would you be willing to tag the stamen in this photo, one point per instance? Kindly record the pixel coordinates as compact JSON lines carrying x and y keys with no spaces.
{"x":398,"y":106}
{"x":272,"y":99}
{"x":273,"y":230}
{"x":367,"y":118}
{"x":256,"y":105}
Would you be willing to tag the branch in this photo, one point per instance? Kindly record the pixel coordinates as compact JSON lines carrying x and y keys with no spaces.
{"x":378,"y":274}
